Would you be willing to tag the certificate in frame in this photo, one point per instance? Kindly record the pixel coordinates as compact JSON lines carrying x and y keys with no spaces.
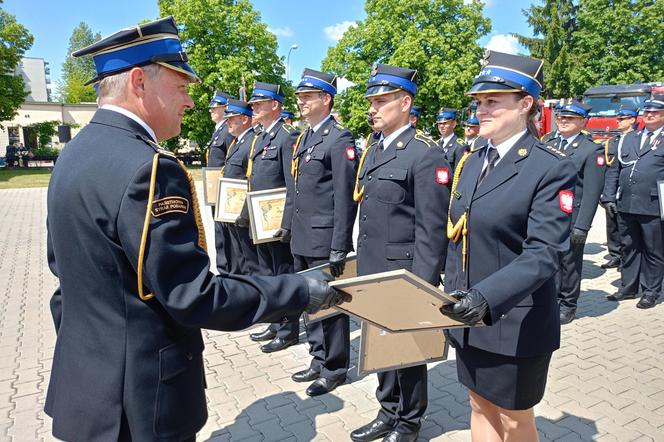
{"x":211,"y":184}
{"x":350,"y":271}
{"x":266,"y":211}
{"x":231,"y":195}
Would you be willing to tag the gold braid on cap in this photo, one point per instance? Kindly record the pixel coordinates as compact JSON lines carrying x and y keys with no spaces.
{"x":460,"y":229}
{"x":295,"y":163}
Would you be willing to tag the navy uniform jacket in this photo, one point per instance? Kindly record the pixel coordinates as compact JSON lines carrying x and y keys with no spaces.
{"x":218,"y":146}
{"x":238,"y":157}
{"x":403,"y":209}
{"x":590,"y":162}
{"x":518,"y":227}
{"x":636,"y":175}
{"x":271,"y":153}
{"x":116,"y":353}
{"x":323,"y":207}
{"x":453,"y":150}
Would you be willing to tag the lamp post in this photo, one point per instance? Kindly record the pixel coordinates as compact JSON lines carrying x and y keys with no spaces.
{"x":295,"y":46}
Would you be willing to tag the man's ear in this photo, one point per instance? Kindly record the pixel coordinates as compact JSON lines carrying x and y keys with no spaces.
{"x":137,"y":81}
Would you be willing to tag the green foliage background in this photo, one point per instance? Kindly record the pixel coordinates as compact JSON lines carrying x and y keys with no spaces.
{"x":77,"y":71}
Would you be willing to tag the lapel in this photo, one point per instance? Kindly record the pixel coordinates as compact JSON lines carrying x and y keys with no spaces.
{"x":571,"y":150}
{"x":237,"y":144}
{"x":655,"y":142}
{"x":507,"y":167}
{"x":264,"y":140}
{"x":304,"y":143}
{"x":391,"y":152}
{"x":472,"y":169}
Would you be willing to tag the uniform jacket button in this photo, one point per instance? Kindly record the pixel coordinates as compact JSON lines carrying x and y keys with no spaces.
{"x":297,"y":210}
{"x":408,"y":254}
{"x":189,"y":356}
{"x":364,"y":218}
{"x":369,"y":177}
{"x":364,"y":236}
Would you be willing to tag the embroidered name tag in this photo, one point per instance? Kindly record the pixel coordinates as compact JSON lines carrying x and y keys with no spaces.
{"x":171,"y":204}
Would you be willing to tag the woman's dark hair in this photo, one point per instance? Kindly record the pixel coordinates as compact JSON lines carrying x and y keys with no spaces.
{"x":532,"y":114}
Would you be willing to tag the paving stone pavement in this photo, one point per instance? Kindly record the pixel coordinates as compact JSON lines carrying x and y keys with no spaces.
{"x":606,"y":383}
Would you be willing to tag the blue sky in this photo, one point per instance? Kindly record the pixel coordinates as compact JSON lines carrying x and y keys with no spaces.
{"x":313,"y":28}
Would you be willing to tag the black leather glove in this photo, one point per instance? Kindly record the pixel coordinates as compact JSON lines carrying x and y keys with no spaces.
{"x":337,"y":262}
{"x":321,"y":295}
{"x":242,"y":222}
{"x":611,"y":208}
{"x":284,"y":235}
{"x":578,"y":236}
{"x":470,"y":308}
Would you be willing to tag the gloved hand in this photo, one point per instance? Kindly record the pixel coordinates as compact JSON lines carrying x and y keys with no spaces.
{"x":337,"y":262}
{"x":578,"y":236}
{"x":611,"y":208}
{"x":284,"y":235}
{"x":470,"y":308}
{"x":242,"y":222}
{"x":321,"y":295}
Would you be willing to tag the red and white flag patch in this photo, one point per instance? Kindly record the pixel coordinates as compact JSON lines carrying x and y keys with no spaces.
{"x":350,"y":153}
{"x":600,"y":160}
{"x":566,"y":199}
{"x":442,"y":175}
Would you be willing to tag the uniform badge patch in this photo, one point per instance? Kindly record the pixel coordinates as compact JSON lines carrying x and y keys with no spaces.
{"x":350,"y":153}
{"x":171,"y":204}
{"x":442,"y":176}
{"x":600,"y":160}
{"x":522,"y":152}
{"x":566,"y":199}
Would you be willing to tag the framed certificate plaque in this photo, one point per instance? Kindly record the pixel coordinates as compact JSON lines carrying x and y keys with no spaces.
{"x":266,"y":210}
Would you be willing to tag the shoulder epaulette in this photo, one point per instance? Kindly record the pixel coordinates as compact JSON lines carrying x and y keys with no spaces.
{"x":288,"y":128}
{"x":460,"y":141}
{"x":426,"y":140}
{"x":474,"y":147}
{"x":551,"y":149}
{"x":338,"y":126}
{"x":156,"y":147}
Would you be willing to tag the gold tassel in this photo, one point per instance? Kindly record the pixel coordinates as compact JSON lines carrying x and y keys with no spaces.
{"x":357,"y":194}
{"x":202,"y":241}
{"x":295,"y":163}
{"x":250,"y":167}
{"x":606,"y":154}
{"x":146,"y":227}
{"x":460,"y":229}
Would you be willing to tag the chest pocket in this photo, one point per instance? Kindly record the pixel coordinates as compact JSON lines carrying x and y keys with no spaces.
{"x":270,"y":154}
{"x":315,"y":165}
{"x":392,"y":185}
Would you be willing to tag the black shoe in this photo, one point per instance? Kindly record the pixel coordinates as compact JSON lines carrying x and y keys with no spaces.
{"x":621,"y":296}
{"x":567,"y":316}
{"x":647,"y":301}
{"x":278,"y":344}
{"x":307,"y":375}
{"x":612,"y":263}
{"x":324,"y":385}
{"x":371,"y":431}
{"x":265,"y":335}
{"x":395,"y":436}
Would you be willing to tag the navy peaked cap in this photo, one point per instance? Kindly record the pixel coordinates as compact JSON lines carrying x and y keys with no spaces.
{"x":316,"y":81}
{"x":387,"y":79}
{"x":509,"y":73}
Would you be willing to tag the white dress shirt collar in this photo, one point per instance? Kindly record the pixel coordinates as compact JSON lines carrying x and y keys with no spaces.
{"x":318,"y":126}
{"x":393,"y":136}
{"x":506,"y":145}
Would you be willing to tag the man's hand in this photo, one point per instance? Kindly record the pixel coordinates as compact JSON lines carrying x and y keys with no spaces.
{"x":578,"y":236}
{"x":321,"y":295}
{"x":283,"y":235}
{"x":337,"y":262}
{"x":242,"y":222}
{"x":470,"y":308}
{"x":611,"y":208}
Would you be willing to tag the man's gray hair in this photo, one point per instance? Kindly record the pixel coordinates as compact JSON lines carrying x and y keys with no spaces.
{"x":114,"y":86}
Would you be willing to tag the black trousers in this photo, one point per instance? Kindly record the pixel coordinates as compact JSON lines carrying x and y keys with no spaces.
{"x":222,"y":245}
{"x":242,"y":254}
{"x":275,"y":258}
{"x":569,"y":283}
{"x":403,"y":397}
{"x":643,"y":254}
{"x":613,"y":242}
{"x":329,"y":338}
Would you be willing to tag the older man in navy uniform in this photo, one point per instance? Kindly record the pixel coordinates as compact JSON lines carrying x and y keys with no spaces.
{"x":216,"y":157}
{"x":588,"y":157}
{"x":453,"y":147}
{"x":626,"y":123}
{"x":126,"y":240}
{"x":403,"y":191}
{"x":324,"y":169}
{"x":269,"y":168}
{"x":634,"y":193}
{"x":243,"y":256}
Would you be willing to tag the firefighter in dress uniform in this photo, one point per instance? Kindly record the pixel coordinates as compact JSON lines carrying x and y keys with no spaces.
{"x":590,"y":162}
{"x":633,"y":191}
{"x":403,"y":191}
{"x":626,"y":118}
{"x":217,"y":149}
{"x":288,"y":117}
{"x":324,"y":170}
{"x":126,"y":241}
{"x":453,"y":147}
{"x":270,"y":168}
{"x":243,"y":256}
{"x":415,"y":113}
{"x":509,"y":222}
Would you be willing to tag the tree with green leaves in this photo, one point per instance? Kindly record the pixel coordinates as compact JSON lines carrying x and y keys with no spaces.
{"x":436,"y":37}
{"x":78,"y":71}
{"x":227,"y":45}
{"x":553,"y":24}
{"x":15,"y":40}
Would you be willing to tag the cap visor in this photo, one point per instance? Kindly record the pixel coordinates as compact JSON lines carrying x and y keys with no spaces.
{"x":488,"y":88}
{"x":181,"y":67}
{"x":564,"y":113}
{"x":373,"y":91}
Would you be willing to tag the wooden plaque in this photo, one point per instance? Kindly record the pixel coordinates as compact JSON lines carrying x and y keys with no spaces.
{"x":266,"y":211}
{"x":350,"y":271}
{"x":381,"y":350}
{"x":211,"y":185}
{"x":231,"y":195}
{"x":396,"y":301}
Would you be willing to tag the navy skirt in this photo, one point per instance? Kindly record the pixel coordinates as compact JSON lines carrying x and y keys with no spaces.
{"x":511,"y":382}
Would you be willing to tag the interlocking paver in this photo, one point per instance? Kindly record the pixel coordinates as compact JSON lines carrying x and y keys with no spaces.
{"x":606,"y":383}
